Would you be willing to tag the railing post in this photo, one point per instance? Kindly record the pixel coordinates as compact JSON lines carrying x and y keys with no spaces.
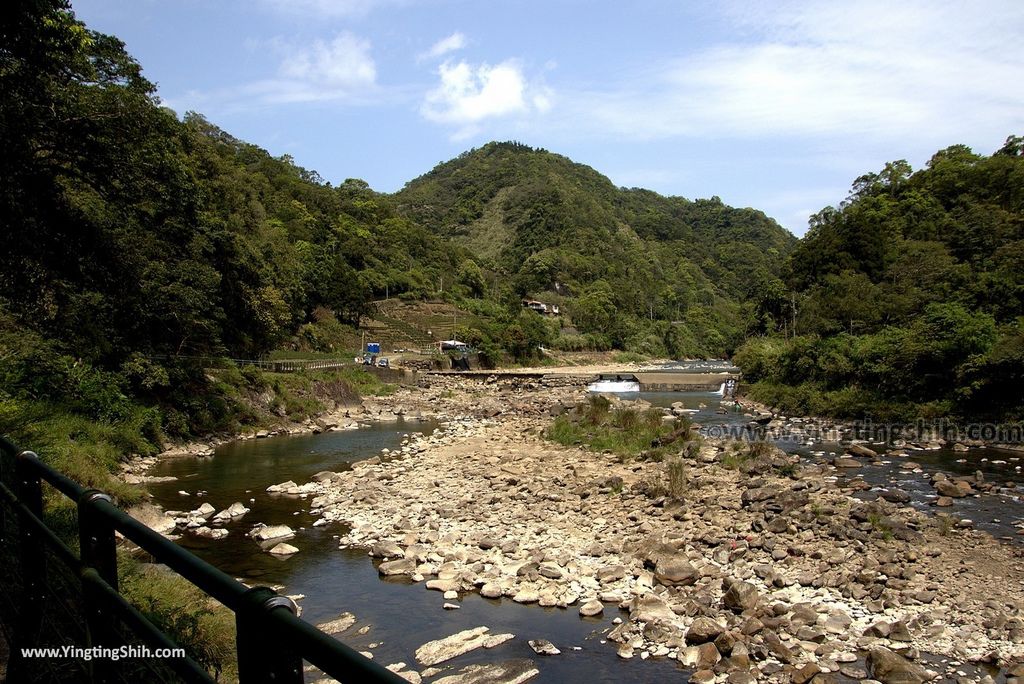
{"x":33,"y":561}
{"x":98,"y":550}
{"x":96,"y":537}
{"x":263,"y":657}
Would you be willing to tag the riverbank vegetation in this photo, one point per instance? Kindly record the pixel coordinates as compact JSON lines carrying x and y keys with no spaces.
{"x":906,"y":300}
{"x":622,"y":430}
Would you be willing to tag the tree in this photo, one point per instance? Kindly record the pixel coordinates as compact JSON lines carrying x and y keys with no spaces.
{"x":472,"y":277}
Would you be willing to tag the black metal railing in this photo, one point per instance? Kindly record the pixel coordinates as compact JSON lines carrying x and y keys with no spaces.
{"x":272,"y":641}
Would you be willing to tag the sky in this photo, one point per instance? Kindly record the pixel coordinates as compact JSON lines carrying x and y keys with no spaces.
{"x":777,"y":106}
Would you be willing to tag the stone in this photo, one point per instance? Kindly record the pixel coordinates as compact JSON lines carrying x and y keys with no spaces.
{"x":591,"y":608}
{"x":235,"y":510}
{"x":675,"y":572}
{"x":846,"y":462}
{"x":891,"y":668}
{"x":508,"y":672}
{"x":209,"y":533}
{"x":702,"y":630}
{"x":550,"y":570}
{"x":861,"y":450}
{"x":740,"y":596}
{"x":283,"y":549}
{"x":386,"y":549}
{"x":338,"y":624}
{"x":949,"y":489}
{"x":526,"y":596}
{"x":491,"y":590}
{"x":440,"y":650}
{"x":401,"y":566}
{"x":611,"y":573}
{"x":805,"y":673}
{"x":706,"y":676}
{"x":153,"y":517}
{"x":898,"y":631}
{"x":707,"y":656}
{"x":267,"y":533}
{"x":543,"y":647}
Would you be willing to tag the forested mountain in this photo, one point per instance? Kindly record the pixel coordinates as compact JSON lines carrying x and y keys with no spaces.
{"x":663,"y":275}
{"x":138,"y":244}
{"x":906,"y":299}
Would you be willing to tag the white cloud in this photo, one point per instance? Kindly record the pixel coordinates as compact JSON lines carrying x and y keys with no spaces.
{"x":325,"y":8}
{"x":454,"y":42}
{"x":870,"y":69}
{"x":339,"y":69}
{"x":342,"y":64}
{"x":468,"y":94}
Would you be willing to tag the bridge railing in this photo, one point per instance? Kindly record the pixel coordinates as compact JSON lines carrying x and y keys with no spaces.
{"x":272,"y":641}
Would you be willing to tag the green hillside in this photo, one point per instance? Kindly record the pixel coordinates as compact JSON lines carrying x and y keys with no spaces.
{"x":662,"y":275}
{"x":907,"y":299}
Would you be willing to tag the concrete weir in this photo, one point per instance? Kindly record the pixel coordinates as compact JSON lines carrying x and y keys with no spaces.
{"x":649,"y":381}
{"x":663,"y":381}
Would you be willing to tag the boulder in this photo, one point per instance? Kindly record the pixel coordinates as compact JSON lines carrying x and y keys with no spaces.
{"x":891,"y":668}
{"x":949,"y":489}
{"x":543,"y":647}
{"x":386,"y":549}
{"x":402,"y":566}
{"x":591,"y":608}
{"x":673,"y":572}
{"x":861,"y":450}
{"x":267,"y":533}
{"x":508,"y":672}
{"x":235,"y":510}
{"x":703,"y":630}
{"x":204,"y":511}
{"x":440,"y":650}
{"x":153,"y":517}
{"x":283,"y":549}
{"x":740,"y":596}
{"x":209,"y":533}
{"x":491,"y":590}
{"x":337,"y":625}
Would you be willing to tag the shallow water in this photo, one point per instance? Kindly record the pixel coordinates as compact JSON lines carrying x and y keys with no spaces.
{"x":402,"y":615}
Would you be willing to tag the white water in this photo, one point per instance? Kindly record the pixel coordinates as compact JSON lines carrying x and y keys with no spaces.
{"x":721,"y":390}
{"x":614,"y":386}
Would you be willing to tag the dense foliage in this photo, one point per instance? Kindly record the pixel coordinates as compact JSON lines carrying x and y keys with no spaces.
{"x":906,"y":300}
{"x":138,"y":244}
{"x":634,"y":270}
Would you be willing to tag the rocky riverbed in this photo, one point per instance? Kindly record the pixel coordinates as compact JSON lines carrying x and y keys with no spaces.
{"x":767,"y":569}
{"x":763,"y":565}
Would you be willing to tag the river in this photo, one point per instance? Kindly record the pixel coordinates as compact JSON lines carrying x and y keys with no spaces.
{"x":402,"y":615}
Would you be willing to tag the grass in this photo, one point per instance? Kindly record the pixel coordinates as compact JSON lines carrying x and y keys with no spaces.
{"x":629,"y":357}
{"x":880,"y":523}
{"x":86,"y":450}
{"x":678,"y":477}
{"x":197,"y":623}
{"x":625,"y":431}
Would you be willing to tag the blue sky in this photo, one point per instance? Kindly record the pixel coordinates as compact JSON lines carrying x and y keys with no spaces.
{"x":777,"y":106}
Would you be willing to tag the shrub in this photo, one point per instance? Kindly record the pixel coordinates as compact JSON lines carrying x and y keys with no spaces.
{"x":678,"y":478}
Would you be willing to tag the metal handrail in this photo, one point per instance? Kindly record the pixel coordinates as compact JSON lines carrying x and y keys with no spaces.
{"x":272,"y":641}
